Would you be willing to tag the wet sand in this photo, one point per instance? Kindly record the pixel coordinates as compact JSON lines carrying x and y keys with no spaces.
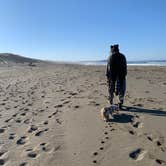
{"x":50,"y":115}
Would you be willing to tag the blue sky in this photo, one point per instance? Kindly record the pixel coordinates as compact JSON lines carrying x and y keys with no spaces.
{"x":72,"y":30}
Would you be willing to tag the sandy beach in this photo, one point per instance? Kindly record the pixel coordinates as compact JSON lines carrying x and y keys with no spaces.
{"x":50,"y":116}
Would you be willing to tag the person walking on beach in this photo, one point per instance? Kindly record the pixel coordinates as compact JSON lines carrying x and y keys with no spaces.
{"x":116,"y":72}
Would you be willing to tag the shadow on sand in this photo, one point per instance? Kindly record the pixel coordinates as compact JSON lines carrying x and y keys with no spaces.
{"x":122,"y":118}
{"x":127,"y":118}
{"x":154,"y":112}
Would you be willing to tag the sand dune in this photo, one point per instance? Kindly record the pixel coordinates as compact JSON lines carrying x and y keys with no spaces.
{"x":13,"y":59}
{"x":50,"y":115}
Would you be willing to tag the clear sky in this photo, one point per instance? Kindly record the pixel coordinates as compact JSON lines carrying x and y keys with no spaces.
{"x":72,"y":30}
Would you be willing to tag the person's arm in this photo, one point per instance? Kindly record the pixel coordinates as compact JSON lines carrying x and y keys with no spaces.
{"x":108,"y":70}
{"x":125,"y":66}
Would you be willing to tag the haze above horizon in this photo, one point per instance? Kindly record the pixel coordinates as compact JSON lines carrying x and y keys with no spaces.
{"x":78,"y":30}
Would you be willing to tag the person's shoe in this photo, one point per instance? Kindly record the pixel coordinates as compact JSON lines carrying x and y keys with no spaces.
{"x":120,"y":104}
{"x":111,"y":102}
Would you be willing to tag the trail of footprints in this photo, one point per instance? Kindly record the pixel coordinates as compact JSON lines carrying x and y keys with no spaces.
{"x":103,"y":143}
{"x":140,"y":153}
{"x":23,"y":106}
{"x":157,"y":141}
{"x":24,"y":115}
{"x":33,"y":154}
{"x":137,"y":154}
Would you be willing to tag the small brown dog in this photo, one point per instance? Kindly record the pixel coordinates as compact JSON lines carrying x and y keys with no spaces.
{"x":107,"y":111}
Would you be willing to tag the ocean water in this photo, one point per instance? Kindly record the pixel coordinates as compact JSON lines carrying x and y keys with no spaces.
{"x":129,"y":63}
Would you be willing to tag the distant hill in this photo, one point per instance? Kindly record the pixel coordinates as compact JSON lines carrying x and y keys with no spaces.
{"x":9,"y":58}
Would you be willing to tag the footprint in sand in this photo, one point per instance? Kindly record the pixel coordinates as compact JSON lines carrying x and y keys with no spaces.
{"x":27,"y":121}
{"x":32,"y":128}
{"x":138,"y":154}
{"x":46,"y":147}
{"x":2,"y":161}
{"x":163,"y":149}
{"x":102,"y":142}
{"x":23,"y":114}
{"x":29,"y":150}
{"x":58,"y":106}
{"x":135,"y":118}
{"x":106,"y":137}
{"x":29,"y":104}
{"x":26,"y":109}
{"x":32,"y":155}
{"x":53,"y":114}
{"x":73,"y":93}
{"x":138,"y":125}
{"x":8,"y":120}
{"x":101,"y":148}
{"x":105,"y":133}
{"x":66,"y":102}
{"x":39,"y":133}
{"x":135,"y":123}
{"x":6,"y":99}
{"x":45,"y":122}
{"x":112,"y":129}
{"x":3,"y":104}
{"x":18,"y":120}
{"x":94,"y":161}
{"x":14,"y":115}
{"x":24,"y":164}
{"x":132,"y":132}
{"x":58,"y":121}
{"x":22,"y":140}
{"x":158,"y":161}
{"x":11,"y":135}
{"x":97,"y":104}
{"x":2,"y":153}
{"x":50,"y":116}
{"x":160,"y":141}
{"x":42,"y":144}
{"x":76,"y":106}
{"x":57,"y":148}
{"x":150,"y":137}
{"x":42,"y":110}
{"x":2,"y":130}
{"x":95,"y":153}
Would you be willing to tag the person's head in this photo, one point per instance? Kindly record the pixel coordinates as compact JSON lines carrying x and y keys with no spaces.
{"x":114,"y":48}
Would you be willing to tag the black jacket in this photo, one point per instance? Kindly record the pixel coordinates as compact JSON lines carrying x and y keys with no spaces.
{"x":116,"y":66}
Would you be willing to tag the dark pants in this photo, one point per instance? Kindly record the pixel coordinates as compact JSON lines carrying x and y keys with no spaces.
{"x":117,"y":86}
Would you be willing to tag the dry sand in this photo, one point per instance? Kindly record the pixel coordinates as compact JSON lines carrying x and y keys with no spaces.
{"x":50,"y":116}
